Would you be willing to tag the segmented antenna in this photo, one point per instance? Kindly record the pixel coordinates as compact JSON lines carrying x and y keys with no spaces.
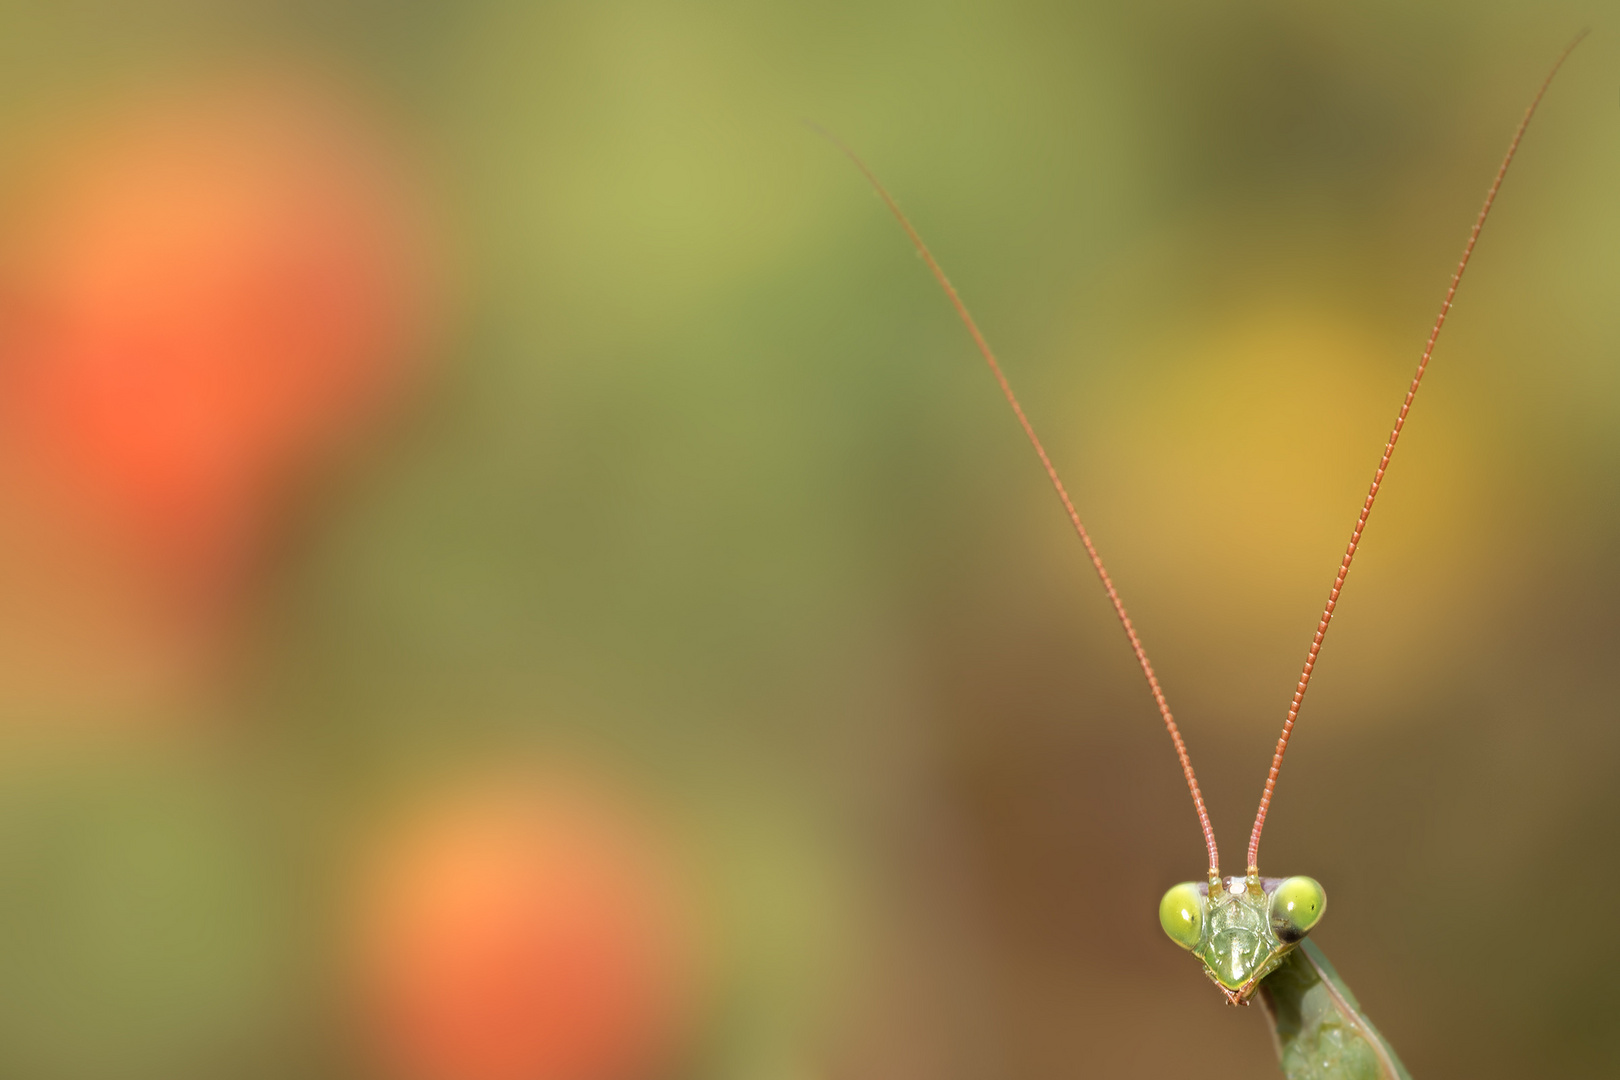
{"x":1383,"y":464}
{"x":1057,"y":484}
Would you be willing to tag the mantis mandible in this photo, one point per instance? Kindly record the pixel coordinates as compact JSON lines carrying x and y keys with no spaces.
{"x":1249,"y":932}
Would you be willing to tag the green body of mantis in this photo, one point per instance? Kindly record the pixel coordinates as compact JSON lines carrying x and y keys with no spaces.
{"x":1251,"y":939}
{"x":1250,"y":932}
{"x":1318,"y":1025}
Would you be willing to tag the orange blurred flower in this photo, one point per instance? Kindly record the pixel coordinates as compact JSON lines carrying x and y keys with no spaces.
{"x":528,"y":929}
{"x":205,"y":295}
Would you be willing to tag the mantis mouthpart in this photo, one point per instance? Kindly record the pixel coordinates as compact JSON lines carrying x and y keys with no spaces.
{"x":1249,"y":932}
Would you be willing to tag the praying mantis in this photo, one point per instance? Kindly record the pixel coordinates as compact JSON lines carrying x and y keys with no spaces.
{"x":1250,"y":933}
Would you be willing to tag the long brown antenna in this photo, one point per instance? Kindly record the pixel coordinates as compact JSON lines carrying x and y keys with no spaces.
{"x":1383,"y":464}
{"x":1057,"y":484}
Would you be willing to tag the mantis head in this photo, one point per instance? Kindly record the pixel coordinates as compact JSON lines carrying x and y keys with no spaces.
{"x":1242,"y":928}
{"x":1245,"y":929}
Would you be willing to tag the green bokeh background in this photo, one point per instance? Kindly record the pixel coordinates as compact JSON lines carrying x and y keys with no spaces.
{"x":712,"y":484}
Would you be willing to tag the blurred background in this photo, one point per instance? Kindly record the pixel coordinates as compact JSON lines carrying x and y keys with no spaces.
{"x":510,"y":569}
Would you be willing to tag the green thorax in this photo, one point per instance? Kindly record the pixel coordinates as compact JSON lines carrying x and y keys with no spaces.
{"x":1320,"y":1031}
{"x":1249,"y":933}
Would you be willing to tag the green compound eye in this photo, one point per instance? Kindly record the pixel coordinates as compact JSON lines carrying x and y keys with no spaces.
{"x":1296,"y":906}
{"x":1181,"y":913}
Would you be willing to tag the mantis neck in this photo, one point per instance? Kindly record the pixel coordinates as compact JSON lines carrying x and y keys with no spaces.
{"x":1318,"y":1026}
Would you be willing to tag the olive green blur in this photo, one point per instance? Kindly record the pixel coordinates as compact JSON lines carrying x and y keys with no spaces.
{"x":1296,"y":906}
{"x":1181,"y":913}
{"x":706,"y":485}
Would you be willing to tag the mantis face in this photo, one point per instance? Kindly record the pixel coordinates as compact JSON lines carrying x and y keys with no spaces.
{"x":1247,"y":928}
{"x":1244,"y":931}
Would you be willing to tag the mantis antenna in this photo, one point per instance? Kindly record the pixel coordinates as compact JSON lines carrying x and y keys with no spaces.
{"x":1383,"y":466}
{"x":1057,"y":484}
